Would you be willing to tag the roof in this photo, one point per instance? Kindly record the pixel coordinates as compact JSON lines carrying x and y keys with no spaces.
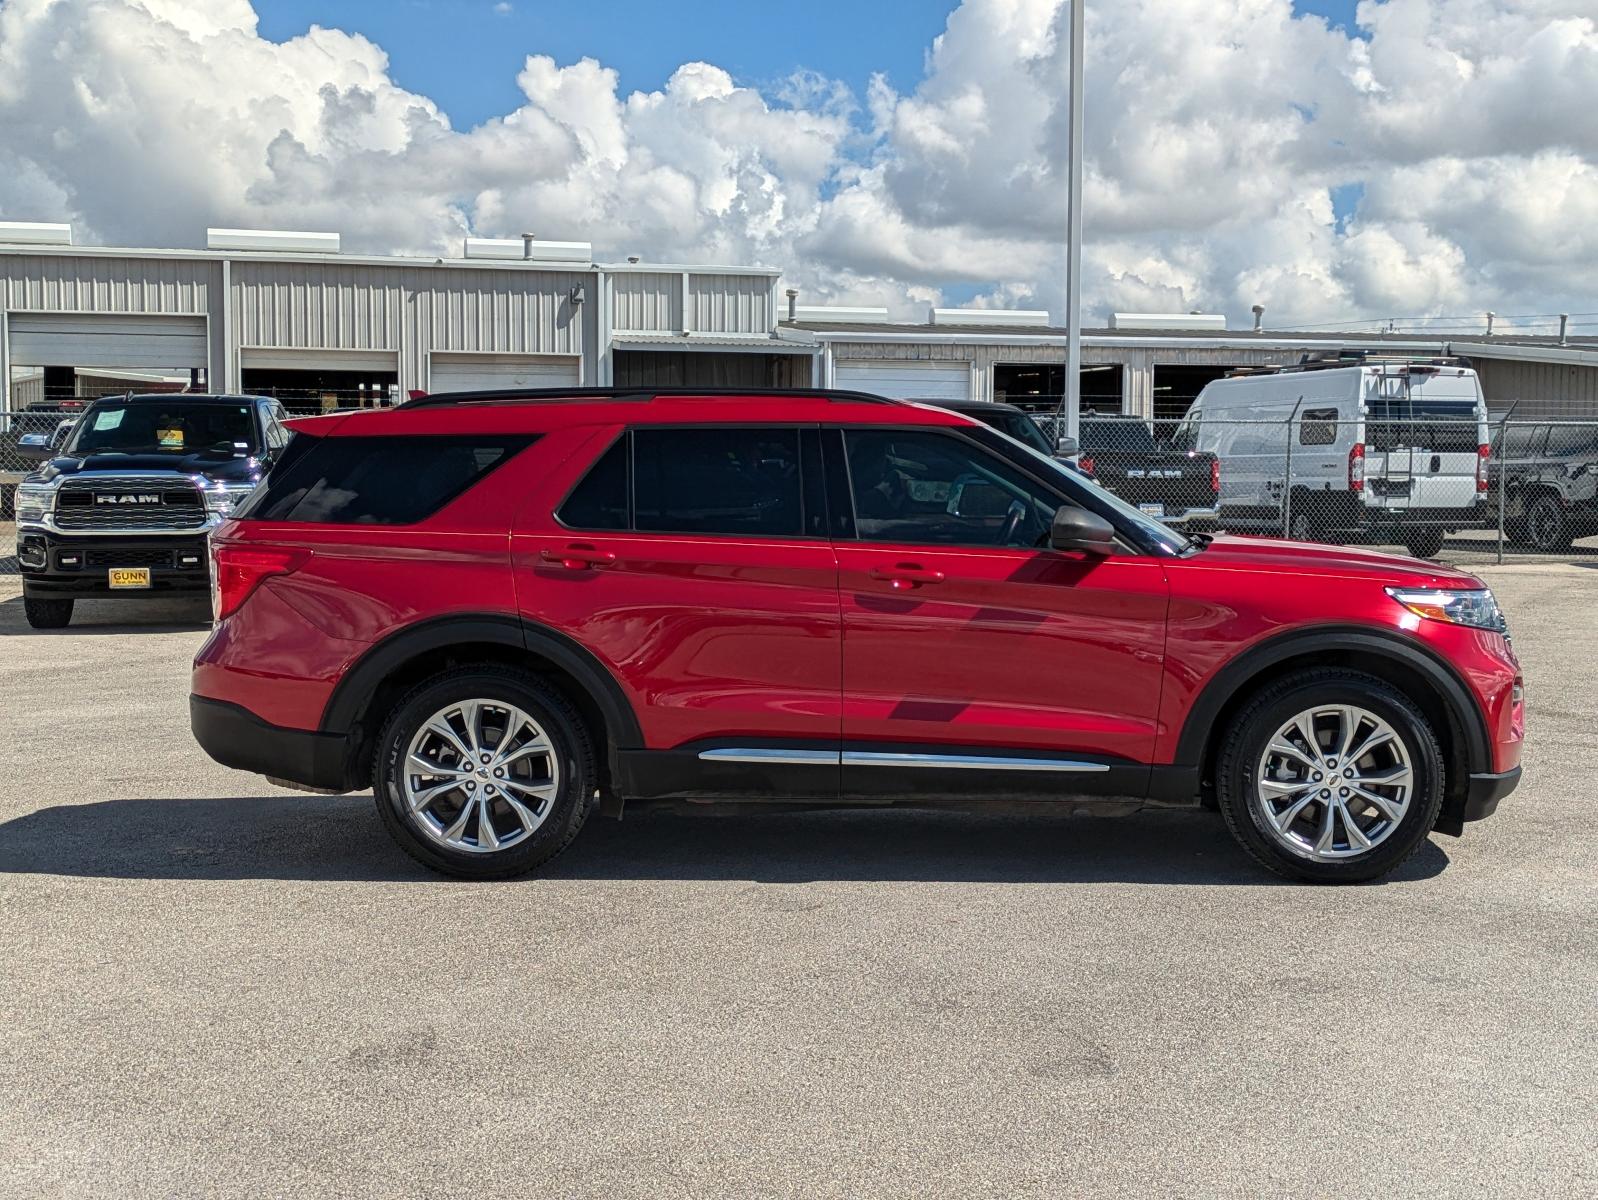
{"x":185,"y":397}
{"x":1512,"y":345}
{"x":514,"y":412}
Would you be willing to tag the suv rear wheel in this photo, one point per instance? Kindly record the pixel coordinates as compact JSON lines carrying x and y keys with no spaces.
{"x":1546,"y":528}
{"x":46,"y":613}
{"x":484,"y":773}
{"x":1330,"y":776}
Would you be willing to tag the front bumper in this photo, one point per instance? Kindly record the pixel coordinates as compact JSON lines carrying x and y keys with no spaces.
{"x":79,"y":567}
{"x":1486,"y":790}
{"x":236,"y":737}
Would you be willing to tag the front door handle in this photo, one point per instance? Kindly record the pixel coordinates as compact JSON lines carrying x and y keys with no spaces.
{"x":906,"y":575}
{"x":578,"y":557}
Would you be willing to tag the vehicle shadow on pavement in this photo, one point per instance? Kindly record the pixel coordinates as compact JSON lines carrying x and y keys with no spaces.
{"x":315,"y":838}
{"x":159,"y":614}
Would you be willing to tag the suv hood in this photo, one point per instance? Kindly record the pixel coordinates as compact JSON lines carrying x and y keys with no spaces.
{"x":1306,"y":558}
{"x":221,"y":470}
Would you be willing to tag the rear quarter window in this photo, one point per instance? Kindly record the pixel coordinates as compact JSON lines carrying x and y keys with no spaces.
{"x":375,"y":481}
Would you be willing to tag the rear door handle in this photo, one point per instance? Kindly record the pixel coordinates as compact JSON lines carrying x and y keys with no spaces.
{"x":578,"y":557}
{"x":906,"y":575}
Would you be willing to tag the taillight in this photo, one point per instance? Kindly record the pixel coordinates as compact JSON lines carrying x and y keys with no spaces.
{"x":1215,"y":476}
{"x":1482,"y":454}
{"x":1085,"y":461}
{"x":1356,"y":468}
{"x":236,"y":571}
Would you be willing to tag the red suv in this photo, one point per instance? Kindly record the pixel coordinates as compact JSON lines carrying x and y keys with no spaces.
{"x":504,"y":610}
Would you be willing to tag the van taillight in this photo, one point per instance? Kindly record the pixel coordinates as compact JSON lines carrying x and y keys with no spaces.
{"x":239,"y":570}
{"x":1482,"y":454}
{"x":1215,"y":475}
{"x":1085,"y":461}
{"x":1356,"y":468}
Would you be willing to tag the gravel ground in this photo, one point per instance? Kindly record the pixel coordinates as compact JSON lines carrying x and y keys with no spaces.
{"x":209,"y":987}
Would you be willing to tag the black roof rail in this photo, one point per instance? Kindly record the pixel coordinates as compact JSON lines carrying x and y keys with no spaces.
{"x":639,"y":394}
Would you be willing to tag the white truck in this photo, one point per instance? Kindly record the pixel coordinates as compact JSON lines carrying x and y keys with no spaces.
{"x":1348,"y":449}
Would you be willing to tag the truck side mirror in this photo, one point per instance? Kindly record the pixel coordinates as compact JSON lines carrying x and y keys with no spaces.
{"x":1067,"y":447}
{"x":34,"y":448}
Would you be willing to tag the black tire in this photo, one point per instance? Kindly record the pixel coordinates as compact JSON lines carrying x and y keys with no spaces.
{"x":1261,"y":717}
{"x":1424,"y":543}
{"x":1302,"y":526}
{"x":1547,"y":526}
{"x":45,"y":612}
{"x":561,"y":723}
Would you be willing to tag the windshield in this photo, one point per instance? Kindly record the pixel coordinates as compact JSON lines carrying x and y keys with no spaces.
{"x":1154,"y":537}
{"x":1023,"y":429}
{"x":174,"y":427}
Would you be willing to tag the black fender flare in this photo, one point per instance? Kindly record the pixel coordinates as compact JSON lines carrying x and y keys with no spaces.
{"x":1231,"y":679}
{"x":355,"y":690}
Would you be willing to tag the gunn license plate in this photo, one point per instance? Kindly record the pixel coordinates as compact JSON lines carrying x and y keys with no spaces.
{"x":1153,"y":510}
{"x":130,"y":577}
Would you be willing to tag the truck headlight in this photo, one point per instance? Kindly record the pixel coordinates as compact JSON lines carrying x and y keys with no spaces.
{"x":34,"y":500}
{"x":223,"y":498}
{"x":1458,"y":606}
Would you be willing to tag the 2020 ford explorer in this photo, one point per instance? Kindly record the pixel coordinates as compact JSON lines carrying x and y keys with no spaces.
{"x":502,"y":611}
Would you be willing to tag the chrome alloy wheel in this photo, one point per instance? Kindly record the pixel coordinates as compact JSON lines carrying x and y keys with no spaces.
{"x":1334,"y":782}
{"x":480,"y":776}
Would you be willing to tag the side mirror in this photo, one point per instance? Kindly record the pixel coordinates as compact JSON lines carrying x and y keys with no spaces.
{"x":1067,"y":447}
{"x":1077,"y":529}
{"x":35,"y":448}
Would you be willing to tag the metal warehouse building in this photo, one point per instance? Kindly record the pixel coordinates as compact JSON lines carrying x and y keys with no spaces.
{"x":290,"y":315}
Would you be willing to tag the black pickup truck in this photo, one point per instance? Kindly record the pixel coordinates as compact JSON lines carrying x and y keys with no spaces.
{"x":125,"y":497}
{"x":1178,"y":487}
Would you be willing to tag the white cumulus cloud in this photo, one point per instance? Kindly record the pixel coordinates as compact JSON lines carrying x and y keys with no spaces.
{"x":1218,"y":132}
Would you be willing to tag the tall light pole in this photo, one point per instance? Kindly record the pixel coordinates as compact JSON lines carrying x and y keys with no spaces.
{"x":1073,"y":237}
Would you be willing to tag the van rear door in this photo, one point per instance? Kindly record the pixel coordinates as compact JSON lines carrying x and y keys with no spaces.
{"x":1423,"y":431}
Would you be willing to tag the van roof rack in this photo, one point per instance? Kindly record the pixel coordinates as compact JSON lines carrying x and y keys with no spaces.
{"x":634,"y":394}
{"x":1335,"y":360}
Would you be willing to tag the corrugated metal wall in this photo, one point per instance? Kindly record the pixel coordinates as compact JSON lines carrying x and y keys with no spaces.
{"x":729,"y":303}
{"x":647,"y":301}
{"x":65,"y":283}
{"x":1539,"y":390}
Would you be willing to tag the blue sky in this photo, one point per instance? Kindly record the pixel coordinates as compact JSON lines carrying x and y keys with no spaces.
{"x":465,"y":54}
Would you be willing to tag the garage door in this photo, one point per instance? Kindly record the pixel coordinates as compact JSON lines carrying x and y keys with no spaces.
{"x":906,"y":380}
{"x":96,"y":340}
{"x":470,"y":372}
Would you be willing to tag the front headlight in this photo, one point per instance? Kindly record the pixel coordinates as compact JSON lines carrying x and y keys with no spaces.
{"x":34,"y":500}
{"x":223,"y":498}
{"x":1462,"y":606}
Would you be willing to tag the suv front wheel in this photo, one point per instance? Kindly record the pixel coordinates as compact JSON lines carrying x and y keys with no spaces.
{"x":484,"y":773}
{"x":1330,"y":776}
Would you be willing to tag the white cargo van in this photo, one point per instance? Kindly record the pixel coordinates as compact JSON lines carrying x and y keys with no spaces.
{"x":1348,"y":449}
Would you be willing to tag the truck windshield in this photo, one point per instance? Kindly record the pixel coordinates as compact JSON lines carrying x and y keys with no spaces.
{"x":174,"y":427}
{"x":1416,"y":423}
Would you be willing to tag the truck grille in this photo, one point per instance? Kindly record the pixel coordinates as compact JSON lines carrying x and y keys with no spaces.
{"x":129,"y":503}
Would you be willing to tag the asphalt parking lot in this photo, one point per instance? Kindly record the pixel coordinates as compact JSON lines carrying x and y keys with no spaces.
{"x":211,"y":987}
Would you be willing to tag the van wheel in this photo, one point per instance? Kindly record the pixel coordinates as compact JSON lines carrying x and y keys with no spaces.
{"x":46,"y":613}
{"x":1547,"y":529}
{"x":1330,"y":776}
{"x":1303,"y":527}
{"x":484,"y":773}
{"x":1424,"y":543}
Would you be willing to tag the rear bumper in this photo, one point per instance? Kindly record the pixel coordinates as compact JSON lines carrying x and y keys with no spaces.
{"x":237,"y":738}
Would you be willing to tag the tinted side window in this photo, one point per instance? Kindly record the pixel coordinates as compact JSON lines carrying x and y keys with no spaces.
{"x":599,"y":501}
{"x":375,"y":481}
{"x":732,"y":481}
{"x":934,"y":489}
{"x":1318,"y":427}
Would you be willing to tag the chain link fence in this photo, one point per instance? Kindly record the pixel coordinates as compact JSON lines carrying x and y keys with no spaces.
{"x":1457,"y":490}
